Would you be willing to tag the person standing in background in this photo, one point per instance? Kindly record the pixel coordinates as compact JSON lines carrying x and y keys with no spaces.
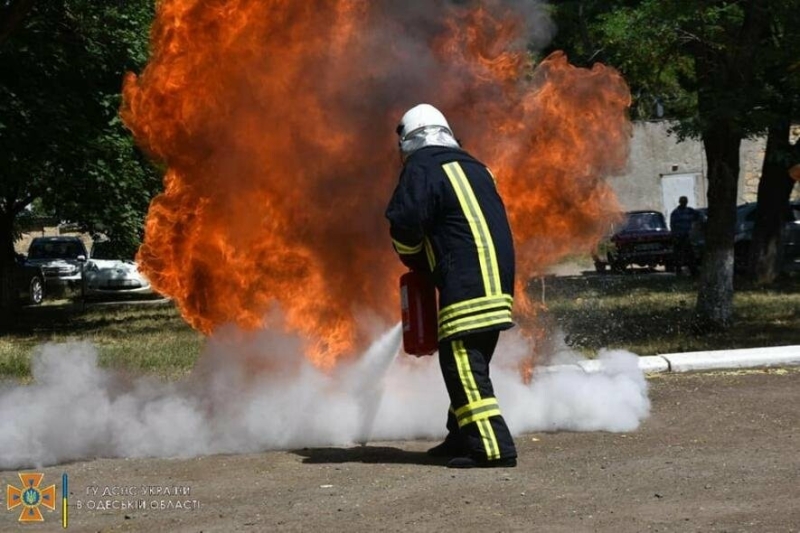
{"x":680,"y":223}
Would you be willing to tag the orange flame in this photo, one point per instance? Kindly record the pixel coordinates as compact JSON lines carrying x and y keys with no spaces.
{"x":275,"y":121}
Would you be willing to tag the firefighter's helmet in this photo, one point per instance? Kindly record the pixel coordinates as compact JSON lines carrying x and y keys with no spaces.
{"x":419,"y":117}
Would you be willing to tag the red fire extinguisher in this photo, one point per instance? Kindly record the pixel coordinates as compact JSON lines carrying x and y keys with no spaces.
{"x":420,"y":321}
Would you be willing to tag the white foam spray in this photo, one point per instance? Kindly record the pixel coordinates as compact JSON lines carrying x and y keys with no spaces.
{"x":254,"y":393}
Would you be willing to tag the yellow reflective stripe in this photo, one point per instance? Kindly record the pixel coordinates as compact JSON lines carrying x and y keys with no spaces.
{"x":473,"y":397}
{"x":476,"y":417}
{"x":475,"y":411}
{"x":474,"y":322}
{"x":477,"y":223}
{"x":475,"y":304}
{"x":494,"y":274}
{"x":489,"y":440}
{"x":430,"y":254}
{"x":465,"y":372}
{"x":474,"y":406}
{"x":403,"y":249}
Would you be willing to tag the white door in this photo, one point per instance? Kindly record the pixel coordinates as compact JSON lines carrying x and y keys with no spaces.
{"x":673,"y":187}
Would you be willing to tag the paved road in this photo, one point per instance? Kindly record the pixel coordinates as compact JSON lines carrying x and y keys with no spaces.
{"x":720,"y":452}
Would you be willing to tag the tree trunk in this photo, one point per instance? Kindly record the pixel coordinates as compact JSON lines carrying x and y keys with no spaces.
{"x":724,"y":78}
{"x":715,"y":295}
{"x":7,"y":259}
{"x":774,"y":190}
{"x":12,"y":16}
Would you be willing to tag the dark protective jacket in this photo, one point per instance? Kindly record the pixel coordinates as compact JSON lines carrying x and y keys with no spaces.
{"x":448,"y":219}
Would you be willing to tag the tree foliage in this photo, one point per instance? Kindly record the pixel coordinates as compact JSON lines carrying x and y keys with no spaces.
{"x":61,"y":70}
{"x":619,"y":33}
{"x":62,"y":144}
{"x":723,"y":70}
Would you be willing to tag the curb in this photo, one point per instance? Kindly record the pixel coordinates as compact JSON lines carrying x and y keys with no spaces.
{"x":777,"y":356}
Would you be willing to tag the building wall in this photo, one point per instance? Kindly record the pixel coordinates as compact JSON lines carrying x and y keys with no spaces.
{"x":656,"y":153}
{"x":751,"y":166}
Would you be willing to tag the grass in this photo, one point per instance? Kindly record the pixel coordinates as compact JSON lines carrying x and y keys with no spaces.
{"x":651,"y":314}
{"x":140,"y":337}
{"x":644,"y":313}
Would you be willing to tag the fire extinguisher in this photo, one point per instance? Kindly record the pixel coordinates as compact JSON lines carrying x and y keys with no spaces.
{"x":418,"y":307}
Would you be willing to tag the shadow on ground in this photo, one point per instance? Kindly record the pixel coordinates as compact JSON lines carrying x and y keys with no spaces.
{"x":366,"y":454}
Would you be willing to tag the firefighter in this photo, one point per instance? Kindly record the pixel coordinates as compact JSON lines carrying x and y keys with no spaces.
{"x":447,"y":219}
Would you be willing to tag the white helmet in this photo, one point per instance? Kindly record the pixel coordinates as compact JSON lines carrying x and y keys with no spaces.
{"x":419,"y":117}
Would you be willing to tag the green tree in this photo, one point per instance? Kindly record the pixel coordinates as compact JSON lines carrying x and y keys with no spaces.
{"x":61,"y":68}
{"x":781,"y":96}
{"x":600,"y":31}
{"x":714,"y":65}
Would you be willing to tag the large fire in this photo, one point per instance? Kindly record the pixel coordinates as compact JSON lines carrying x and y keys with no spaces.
{"x":275,"y":122}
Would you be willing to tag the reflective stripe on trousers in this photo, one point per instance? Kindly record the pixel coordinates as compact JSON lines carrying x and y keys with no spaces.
{"x":475,"y":416}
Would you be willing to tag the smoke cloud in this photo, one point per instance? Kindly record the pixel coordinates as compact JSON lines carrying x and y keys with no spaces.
{"x":76,"y":410}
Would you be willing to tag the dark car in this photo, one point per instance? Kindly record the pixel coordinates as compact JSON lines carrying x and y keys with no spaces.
{"x":743,"y":236}
{"x":28,"y":282}
{"x":61,"y":258}
{"x":642,"y":239}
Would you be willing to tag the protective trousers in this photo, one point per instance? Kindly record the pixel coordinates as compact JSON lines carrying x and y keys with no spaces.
{"x":474,"y":417}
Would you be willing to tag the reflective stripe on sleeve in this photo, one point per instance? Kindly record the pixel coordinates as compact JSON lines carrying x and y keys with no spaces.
{"x":404,"y":249}
{"x":429,"y":253}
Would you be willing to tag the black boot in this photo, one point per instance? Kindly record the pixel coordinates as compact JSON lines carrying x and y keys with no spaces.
{"x":471,"y":462}
{"x":449,"y":448}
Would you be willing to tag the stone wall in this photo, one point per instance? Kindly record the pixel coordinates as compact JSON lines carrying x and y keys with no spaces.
{"x":656,"y":153}
{"x":752,"y":160}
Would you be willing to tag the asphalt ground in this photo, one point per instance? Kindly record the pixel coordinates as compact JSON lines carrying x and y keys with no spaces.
{"x":719,"y":453}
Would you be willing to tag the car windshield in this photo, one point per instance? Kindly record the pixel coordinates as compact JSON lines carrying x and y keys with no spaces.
{"x":644,"y":222}
{"x":55,"y":250}
{"x":110,"y":250}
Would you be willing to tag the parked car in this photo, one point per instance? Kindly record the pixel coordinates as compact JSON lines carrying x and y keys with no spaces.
{"x":106,"y":275}
{"x":743,"y":237}
{"x":60,"y":258}
{"x":641,"y":239}
{"x":28,"y":282}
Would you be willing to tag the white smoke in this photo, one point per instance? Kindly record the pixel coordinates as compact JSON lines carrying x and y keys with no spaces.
{"x":255,"y":393}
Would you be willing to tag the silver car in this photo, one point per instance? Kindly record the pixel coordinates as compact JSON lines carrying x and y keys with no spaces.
{"x":106,"y":275}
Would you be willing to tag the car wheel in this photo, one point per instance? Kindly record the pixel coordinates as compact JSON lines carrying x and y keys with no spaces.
{"x":36,"y":291}
{"x":615,"y":264}
{"x":618,"y":266}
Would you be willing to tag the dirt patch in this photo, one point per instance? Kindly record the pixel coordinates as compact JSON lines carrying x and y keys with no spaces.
{"x":719,"y":453}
